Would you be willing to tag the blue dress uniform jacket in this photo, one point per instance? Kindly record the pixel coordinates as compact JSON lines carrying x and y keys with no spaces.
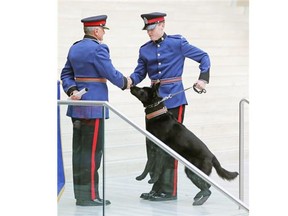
{"x":90,"y":59}
{"x":164,"y":60}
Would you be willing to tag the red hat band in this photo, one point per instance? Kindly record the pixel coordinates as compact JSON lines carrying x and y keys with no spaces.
{"x":158,"y":19}
{"x":98,"y":23}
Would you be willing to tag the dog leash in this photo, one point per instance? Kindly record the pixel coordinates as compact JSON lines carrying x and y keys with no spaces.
{"x":194,"y":87}
{"x":172,"y":95}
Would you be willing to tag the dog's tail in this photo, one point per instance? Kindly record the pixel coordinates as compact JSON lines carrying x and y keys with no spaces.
{"x":222,"y":172}
{"x":143,"y":175}
{"x":148,"y":167}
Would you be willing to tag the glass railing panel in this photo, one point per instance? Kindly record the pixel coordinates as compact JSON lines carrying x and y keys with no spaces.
{"x":124,"y":159}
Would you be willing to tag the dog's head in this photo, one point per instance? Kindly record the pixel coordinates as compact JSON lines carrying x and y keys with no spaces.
{"x":147,"y":95}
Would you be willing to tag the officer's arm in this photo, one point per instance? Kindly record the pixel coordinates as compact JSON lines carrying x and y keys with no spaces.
{"x":67,"y":78}
{"x":199,"y":56}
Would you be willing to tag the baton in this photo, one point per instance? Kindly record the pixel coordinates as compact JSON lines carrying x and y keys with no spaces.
{"x":80,"y":93}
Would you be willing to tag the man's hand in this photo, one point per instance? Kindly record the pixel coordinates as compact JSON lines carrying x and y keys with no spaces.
{"x":200,"y":84}
{"x":129,"y":82}
{"x":75,"y":96}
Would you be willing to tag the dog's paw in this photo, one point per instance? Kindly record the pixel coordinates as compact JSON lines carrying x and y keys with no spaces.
{"x":200,"y":201}
{"x":154,"y":179}
{"x":140,"y":177}
{"x":201,"y":197}
{"x":151,"y":181}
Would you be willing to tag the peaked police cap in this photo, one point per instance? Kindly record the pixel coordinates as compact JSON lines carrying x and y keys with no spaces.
{"x":95,"y":21}
{"x":152,"y":19}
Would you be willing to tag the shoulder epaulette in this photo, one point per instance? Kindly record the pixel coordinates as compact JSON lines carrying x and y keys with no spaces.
{"x":175,"y":36}
{"x":146,"y":44}
{"x":76,"y":42}
{"x":95,"y":41}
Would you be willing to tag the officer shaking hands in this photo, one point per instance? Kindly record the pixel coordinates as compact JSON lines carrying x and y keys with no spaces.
{"x":162,"y":58}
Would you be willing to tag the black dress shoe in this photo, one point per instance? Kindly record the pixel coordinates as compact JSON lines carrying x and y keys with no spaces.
{"x":162,"y":197}
{"x":146,"y":196}
{"x":96,"y":202}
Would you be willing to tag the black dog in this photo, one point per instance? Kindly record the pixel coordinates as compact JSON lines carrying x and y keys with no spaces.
{"x":162,"y":124}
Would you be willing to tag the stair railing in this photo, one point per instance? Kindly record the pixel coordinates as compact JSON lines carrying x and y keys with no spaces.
{"x":241,"y":147}
{"x":157,"y":142}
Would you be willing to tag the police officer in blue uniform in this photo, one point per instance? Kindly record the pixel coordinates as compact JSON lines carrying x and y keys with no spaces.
{"x":162,"y":58}
{"x":89,"y":66}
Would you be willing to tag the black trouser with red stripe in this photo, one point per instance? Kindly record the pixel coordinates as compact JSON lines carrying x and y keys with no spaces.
{"x":88,"y":142}
{"x":167,"y":182}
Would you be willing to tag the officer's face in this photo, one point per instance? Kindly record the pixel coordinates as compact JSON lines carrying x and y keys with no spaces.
{"x":157,"y":32}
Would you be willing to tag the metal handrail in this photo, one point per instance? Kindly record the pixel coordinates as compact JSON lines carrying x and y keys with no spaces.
{"x":241,"y":148}
{"x":159,"y":143}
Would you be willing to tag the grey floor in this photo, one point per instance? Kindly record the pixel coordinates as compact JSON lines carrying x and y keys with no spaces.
{"x":123,"y":192}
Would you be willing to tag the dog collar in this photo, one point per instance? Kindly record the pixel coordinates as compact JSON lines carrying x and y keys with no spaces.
{"x":156,"y":113}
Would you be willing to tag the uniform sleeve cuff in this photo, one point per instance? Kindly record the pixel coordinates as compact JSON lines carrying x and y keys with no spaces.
{"x":205,"y":76}
{"x":70,"y":90}
{"x":125,"y":83}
